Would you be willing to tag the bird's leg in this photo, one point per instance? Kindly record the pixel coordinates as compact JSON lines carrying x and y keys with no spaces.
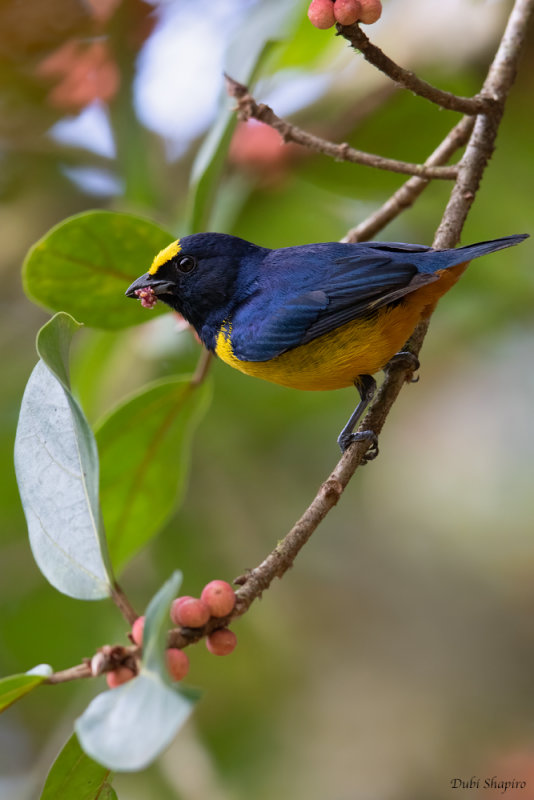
{"x":366,"y":385}
{"x":405,"y":360}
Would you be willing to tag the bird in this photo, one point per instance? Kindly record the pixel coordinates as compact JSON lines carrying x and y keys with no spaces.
{"x":313,"y":317}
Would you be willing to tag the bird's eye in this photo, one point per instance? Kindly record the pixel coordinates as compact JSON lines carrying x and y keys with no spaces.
{"x":187,"y":263}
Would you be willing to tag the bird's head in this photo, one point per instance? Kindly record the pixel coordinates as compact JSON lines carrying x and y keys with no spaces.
{"x":202,"y":276}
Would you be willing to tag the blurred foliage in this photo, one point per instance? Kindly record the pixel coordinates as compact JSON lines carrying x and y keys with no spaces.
{"x":399,"y":651}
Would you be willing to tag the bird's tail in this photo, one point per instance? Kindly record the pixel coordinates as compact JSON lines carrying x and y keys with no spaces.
{"x":470,"y":251}
{"x":444,"y":259}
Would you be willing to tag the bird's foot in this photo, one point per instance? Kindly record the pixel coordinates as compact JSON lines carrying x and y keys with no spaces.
{"x":404,"y":359}
{"x":346,"y":439}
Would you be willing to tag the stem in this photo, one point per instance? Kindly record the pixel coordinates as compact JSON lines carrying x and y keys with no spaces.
{"x":202,"y":368}
{"x":409,"y":80}
{"x":71,"y":674}
{"x":123,"y":604}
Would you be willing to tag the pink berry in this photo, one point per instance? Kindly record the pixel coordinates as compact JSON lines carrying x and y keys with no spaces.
{"x":189,"y":612}
{"x":147,"y":296}
{"x":321,"y":14}
{"x":371,"y":11}
{"x":177,"y":663}
{"x":347,"y":12}
{"x":219,"y":598}
{"x":137,"y":630}
{"x":221,"y":642}
{"x":119,"y":676}
{"x":176,"y":605}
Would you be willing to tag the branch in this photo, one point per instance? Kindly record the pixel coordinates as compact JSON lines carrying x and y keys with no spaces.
{"x":108,"y":658}
{"x":248,"y":108}
{"x":481,"y":103}
{"x":408,"y":193}
{"x":71,"y":674}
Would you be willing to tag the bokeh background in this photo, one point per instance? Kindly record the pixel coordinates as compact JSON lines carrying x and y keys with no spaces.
{"x":398,"y":654}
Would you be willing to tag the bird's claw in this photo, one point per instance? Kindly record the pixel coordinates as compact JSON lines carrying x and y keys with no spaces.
{"x":404,"y":359}
{"x":361,"y":436}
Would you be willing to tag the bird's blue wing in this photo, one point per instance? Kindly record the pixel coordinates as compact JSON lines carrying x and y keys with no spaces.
{"x":345,"y":289}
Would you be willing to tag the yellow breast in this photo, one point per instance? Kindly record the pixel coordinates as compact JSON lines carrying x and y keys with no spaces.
{"x":334,"y":360}
{"x":360,"y":347}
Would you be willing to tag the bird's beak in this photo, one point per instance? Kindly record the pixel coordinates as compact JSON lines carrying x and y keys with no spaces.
{"x":148,"y":281}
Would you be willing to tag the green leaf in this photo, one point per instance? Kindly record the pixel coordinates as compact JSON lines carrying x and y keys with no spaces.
{"x":75,"y":776}
{"x":56,"y":463}
{"x":127,"y":728}
{"x":107,"y":793}
{"x":265,"y":24}
{"x":16,"y":686}
{"x":85,"y":264}
{"x":144,"y":456}
{"x":207,"y":168}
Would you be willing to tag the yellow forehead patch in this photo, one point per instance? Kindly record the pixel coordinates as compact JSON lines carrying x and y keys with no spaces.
{"x":165,"y":255}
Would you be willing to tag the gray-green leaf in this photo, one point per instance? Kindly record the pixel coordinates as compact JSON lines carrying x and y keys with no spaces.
{"x":56,"y":462}
{"x":156,"y":624}
{"x":127,"y":728}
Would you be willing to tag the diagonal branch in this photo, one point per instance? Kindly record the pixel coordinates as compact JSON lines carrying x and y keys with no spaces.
{"x":248,"y":108}
{"x":481,"y":103}
{"x":408,"y":193}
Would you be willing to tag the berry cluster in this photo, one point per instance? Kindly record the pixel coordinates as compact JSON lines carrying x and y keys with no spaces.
{"x":325,"y":13}
{"x":216,"y":600}
{"x":147,"y":296}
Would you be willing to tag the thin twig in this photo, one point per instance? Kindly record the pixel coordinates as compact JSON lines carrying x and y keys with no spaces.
{"x":248,"y":108}
{"x":201,"y":370}
{"x":479,"y":104}
{"x":71,"y":674}
{"x":408,"y":193}
{"x":123,"y":604}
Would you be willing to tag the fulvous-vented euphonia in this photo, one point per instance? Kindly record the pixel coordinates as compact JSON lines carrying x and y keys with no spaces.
{"x":317,"y":316}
